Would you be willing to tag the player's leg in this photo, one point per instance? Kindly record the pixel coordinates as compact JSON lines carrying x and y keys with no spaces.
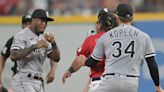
{"x":131,"y":84}
{"x":103,"y":86}
{"x":20,"y":85}
{"x":41,"y":86}
{"x":117,"y":84}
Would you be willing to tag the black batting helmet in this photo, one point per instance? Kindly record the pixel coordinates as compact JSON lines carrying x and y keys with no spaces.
{"x":26,"y":18}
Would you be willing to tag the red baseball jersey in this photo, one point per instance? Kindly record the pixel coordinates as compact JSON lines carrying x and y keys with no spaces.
{"x":87,"y":48}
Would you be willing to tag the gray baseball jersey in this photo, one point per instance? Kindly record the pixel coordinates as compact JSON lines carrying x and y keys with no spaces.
{"x":124,"y":47}
{"x":34,"y":61}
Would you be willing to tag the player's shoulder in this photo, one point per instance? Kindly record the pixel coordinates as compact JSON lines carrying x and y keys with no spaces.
{"x":93,"y":37}
{"x":21,"y":33}
{"x":90,"y":37}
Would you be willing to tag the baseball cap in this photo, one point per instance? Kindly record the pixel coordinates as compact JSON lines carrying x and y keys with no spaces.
{"x":40,"y":13}
{"x":26,"y":18}
{"x":124,"y":10}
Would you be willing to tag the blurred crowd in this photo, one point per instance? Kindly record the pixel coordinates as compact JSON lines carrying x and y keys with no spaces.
{"x":75,"y":7}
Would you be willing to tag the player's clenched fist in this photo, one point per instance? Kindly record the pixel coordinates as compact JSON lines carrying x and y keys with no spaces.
{"x":49,"y":37}
{"x":66,"y":75}
{"x":41,"y":44}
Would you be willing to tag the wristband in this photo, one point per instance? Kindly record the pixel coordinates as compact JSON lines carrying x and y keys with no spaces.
{"x":54,"y":46}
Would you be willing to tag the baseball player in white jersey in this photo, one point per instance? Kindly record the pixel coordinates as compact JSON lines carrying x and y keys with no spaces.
{"x":29,"y":49}
{"x":125,"y":48}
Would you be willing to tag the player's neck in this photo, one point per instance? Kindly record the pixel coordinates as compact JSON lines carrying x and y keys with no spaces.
{"x":123,"y":23}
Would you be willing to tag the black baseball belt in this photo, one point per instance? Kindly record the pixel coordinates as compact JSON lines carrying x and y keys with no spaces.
{"x":96,"y":78}
{"x":35,"y":77}
{"x":119,"y":74}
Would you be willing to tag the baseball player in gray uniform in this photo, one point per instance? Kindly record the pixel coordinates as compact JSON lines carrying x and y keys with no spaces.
{"x":29,"y":50}
{"x":125,"y":48}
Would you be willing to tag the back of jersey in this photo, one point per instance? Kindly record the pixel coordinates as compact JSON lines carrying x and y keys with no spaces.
{"x":125,"y":47}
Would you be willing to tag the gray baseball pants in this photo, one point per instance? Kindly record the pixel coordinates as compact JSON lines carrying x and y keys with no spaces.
{"x":118,"y":83}
{"x":21,"y":83}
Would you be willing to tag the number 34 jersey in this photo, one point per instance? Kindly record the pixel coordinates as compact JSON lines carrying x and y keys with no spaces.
{"x":125,"y":48}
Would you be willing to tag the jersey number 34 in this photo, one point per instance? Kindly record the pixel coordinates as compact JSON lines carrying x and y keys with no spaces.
{"x":129,"y":49}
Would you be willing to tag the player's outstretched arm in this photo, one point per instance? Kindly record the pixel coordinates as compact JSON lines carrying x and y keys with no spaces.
{"x":154,"y":72}
{"x":75,"y":66}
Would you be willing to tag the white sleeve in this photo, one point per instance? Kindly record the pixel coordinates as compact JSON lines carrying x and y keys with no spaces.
{"x":98,"y":52}
{"x":18,"y":41}
{"x":149,"y":48}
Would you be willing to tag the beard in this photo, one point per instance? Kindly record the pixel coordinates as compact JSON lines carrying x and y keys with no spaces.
{"x":37,"y":31}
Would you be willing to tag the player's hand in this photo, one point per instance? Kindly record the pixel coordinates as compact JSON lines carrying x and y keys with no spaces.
{"x":159,"y":89}
{"x":66,"y":75}
{"x":50,"y":77}
{"x":81,"y":60}
{"x":41,"y":44}
{"x":49,"y":37}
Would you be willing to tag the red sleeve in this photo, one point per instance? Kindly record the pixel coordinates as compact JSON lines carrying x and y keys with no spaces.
{"x":84,"y":49}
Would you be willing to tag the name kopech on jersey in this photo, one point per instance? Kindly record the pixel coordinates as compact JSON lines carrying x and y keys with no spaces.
{"x":120,"y":33}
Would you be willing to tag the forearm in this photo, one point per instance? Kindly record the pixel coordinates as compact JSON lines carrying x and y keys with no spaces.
{"x":55,"y":53}
{"x":74,"y":67}
{"x":53,"y":66}
{"x":22,"y":53}
{"x":153,"y":70}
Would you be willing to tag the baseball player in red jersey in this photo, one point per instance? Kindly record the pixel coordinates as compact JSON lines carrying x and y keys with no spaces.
{"x":106,"y":21}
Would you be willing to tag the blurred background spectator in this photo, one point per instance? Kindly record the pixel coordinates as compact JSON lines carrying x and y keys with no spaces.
{"x":75,"y":7}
